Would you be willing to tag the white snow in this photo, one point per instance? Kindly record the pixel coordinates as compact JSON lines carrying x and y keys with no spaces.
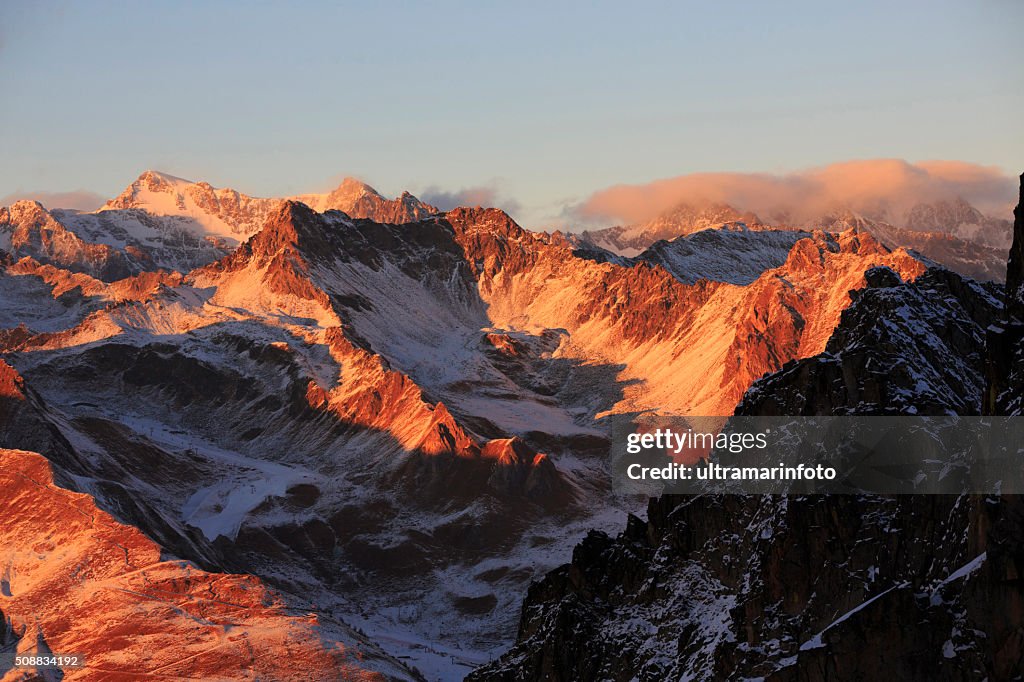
{"x":816,"y":641}
{"x":737,"y":257}
{"x":965,"y":570}
{"x":221,"y":508}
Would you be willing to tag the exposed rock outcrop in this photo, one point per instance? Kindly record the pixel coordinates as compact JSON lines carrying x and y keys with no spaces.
{"x":914,"y":348}
{"x":1004,"y":369}
{"x":33,"y":231}
{"x":1015,"y":263}
{"x":76,"y":580}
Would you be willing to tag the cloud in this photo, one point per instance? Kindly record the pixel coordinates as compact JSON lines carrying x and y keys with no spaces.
{"x":481,"y":195}
{"x":876,"y":187}
{"x":81,"y":199}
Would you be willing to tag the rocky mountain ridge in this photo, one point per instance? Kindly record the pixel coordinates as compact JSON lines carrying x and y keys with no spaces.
{"x":681,"y":220}
{"x":163,"y":222}
{"x":172,"y":618}
{"x":951,"y":233}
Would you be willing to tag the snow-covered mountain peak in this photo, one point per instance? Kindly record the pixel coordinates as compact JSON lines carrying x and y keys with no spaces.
{"x":218,"y":213}
{"x":148,"y":182}
{"x":26,"y":210}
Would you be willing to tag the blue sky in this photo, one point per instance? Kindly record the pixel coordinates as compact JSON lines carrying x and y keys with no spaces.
{"x":540,"y":105}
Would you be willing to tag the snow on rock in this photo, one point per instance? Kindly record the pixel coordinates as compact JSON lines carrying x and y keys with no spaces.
{"x":733,"y":256}
{"x":77,"y":581}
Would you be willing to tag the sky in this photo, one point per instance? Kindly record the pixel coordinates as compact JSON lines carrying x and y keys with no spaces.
{"x":540,"y":108}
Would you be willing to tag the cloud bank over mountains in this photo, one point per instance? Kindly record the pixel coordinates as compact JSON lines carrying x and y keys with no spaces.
{"x":873,"y":187}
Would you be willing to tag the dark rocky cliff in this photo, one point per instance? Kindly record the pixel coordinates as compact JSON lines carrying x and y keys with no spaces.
{"x":1005,"y":341}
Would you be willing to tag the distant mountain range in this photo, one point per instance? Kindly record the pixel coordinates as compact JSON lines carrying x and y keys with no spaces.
{"x":952,"y":233}
{"x":160,"y":221}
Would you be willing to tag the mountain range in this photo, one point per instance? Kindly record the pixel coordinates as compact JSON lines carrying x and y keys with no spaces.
{"x":818,"y":587}
{"x":357,"y":428}
{"x":951,"y":233}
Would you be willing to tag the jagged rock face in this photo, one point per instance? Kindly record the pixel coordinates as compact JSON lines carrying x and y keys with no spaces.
{"x":243,"y":417}
{"x":966,"y":257}
{"x":302,"y":461}
{"x":808,"y":588}
{"x":223,"y":212}
{"x":898,"y":349}
{"x":26,"y":420}
{"x":1015,"y":263}
{"x":228,"y":212}
{"x":1005,"y":340}
{"x":959,"y":251}
{"x":120,"y":601}
{"x":972,"y":258}
{"x":952,"y":228}
{"x":110,"y":244}
{"x":27,"y":229}
{"x":734,"y":256}
{"x":803,"y":587}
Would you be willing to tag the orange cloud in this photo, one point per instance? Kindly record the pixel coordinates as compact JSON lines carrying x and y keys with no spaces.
{"x":877,"y":187}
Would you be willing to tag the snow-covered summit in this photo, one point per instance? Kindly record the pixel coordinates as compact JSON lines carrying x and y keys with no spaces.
{"x":219,"y":213}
